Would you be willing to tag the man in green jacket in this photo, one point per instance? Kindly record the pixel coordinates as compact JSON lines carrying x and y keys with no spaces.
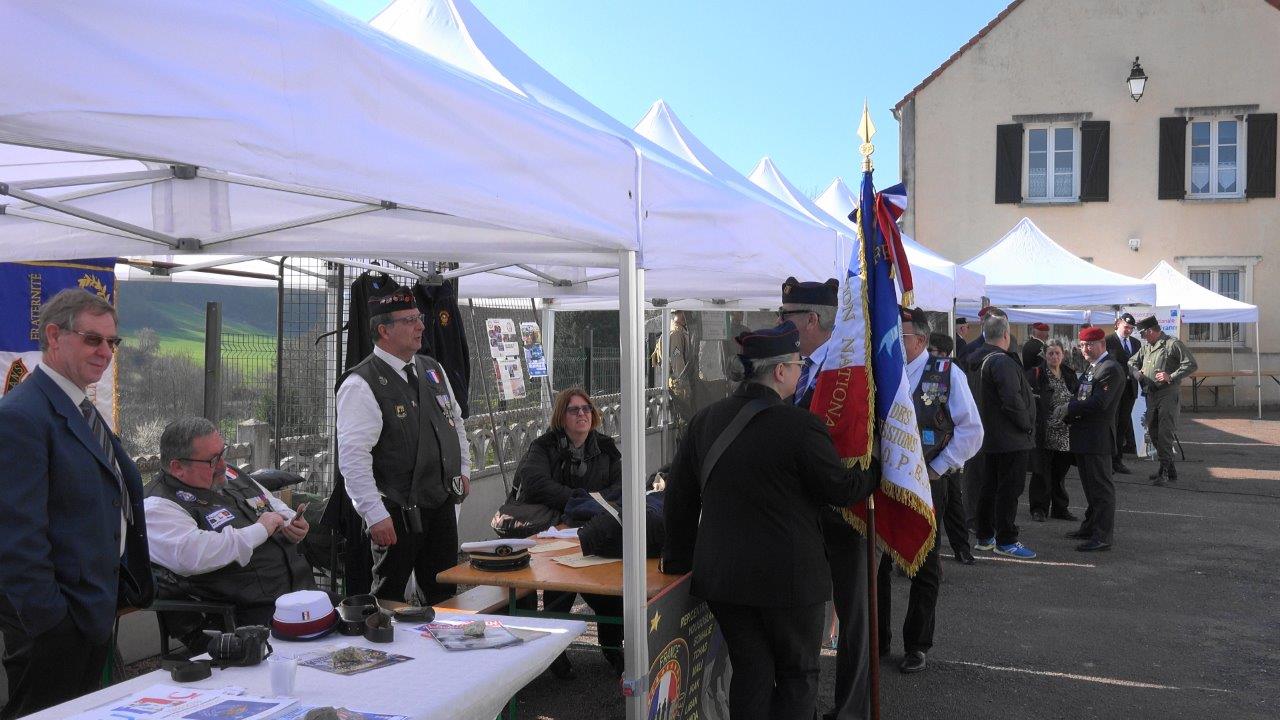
{"x":1162,"y":363}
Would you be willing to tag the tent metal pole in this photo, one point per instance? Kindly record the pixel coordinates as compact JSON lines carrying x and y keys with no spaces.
{"x":635,"y":611}
{"x":473,"y":270}
{"x":148,"y":175}
{"x":91,"y":216}
{"x":1257,"y":356}
{"x":290,"y":224}
{"x":14,"y":211}
{"x":214,"y":263}
{"x":664,"y":377}
{"x":560,"y":282}
{"x":94,"y":191}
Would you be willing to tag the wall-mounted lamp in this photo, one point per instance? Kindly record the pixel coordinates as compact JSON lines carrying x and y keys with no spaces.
{"x":1137,"y":82}
{"x":1135,"y":243}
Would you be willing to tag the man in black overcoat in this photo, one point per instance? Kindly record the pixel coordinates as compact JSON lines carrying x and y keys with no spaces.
{"x":1121,"y":345}
{"x":1091,"y":419}
{"x":751,"y":535}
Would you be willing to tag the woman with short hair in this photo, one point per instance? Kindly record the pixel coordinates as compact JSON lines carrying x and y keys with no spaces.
{"x":1054,"y":382}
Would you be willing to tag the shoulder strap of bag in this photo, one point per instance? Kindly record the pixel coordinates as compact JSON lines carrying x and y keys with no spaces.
{"x":605,"y":504}
{"x":728,"y":435}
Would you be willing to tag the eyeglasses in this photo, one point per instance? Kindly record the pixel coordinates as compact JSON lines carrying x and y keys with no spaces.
{"x":578,"y":410}
{"x":791,"y":362}
{"x":211,"y":462}
{"x":410,"y":319}
{"x":93,"y":340}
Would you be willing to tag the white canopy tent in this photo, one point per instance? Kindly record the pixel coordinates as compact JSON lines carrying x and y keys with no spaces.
{"x":1026,"y":268}
{"x":769,"y":178}
{"x":692,"y":220}
{"x":346,"y":143}
{"x":1198,"y":304}
{"x":961,"y":283}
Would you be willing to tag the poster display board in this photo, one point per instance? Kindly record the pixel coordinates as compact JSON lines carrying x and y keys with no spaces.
{"x":503,"y":341}
{"x":689,"y":672}
{"x":510,"y":378}
{"x":534,"y":356}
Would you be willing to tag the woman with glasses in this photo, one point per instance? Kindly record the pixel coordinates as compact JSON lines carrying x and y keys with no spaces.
{"x":1054,"y":384}
{"x":571,"y":459}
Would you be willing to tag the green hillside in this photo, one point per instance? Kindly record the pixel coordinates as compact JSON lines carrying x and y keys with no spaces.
{"x":176,"y":312}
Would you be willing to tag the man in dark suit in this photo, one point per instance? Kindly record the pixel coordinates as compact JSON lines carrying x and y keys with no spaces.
{"x":73,"y":543}
{"x":750,"y":534}
{"x":1033,"y":348}
{"x":812,"y":307}
{"x":1091,"y":419}
{"x":1121,"y":345}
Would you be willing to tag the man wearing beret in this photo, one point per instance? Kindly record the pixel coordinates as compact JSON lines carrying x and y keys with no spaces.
{"x":1090,"y":418}
{"x":1033,"y":348}
{"x":1162,"y":364}
{"x":403,"y":453}
{"x":741,"y":511}
{"x":812,"y":307}
{"x":1121,"y":346}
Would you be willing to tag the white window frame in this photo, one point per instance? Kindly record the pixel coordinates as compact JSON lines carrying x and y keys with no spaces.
{"x":1241,"y":122}
{"x":1049,"y":147}
{"x":1214,"y":264}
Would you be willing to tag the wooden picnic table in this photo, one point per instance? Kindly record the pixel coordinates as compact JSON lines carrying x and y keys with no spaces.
{"x":1199,"y":377}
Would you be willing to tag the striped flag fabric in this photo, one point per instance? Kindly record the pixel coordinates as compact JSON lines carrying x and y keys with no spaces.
{"x":862,"y":392}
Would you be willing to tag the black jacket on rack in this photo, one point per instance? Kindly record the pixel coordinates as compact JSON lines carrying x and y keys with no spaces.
{"x":360,"y":336}
{"x":445,"y":338}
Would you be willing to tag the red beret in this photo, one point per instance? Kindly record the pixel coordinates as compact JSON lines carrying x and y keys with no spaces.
{"x":1091,"y":334}
{"x":1039,"y":326}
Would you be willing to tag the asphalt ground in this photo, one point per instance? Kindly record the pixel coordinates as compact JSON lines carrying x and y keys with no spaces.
{"x":1180,"y":620}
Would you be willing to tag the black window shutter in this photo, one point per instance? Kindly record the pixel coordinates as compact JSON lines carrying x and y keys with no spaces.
{"x":1173,"y":158}
{"x":1009,"y":163}
{"x":1095,"y":160}
{"x":1261,"y":170}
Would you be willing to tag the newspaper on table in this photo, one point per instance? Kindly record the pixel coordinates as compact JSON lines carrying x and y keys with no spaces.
{"x":298,"y":712}
{"x":452,"y":635}
{"x":171,"y":701}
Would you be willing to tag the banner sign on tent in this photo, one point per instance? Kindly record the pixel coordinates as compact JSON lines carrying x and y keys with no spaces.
{"x":24,"y":288}
{"x":534,"y":356}
{"x":689,"y":667}
{"x":1170,"y":316}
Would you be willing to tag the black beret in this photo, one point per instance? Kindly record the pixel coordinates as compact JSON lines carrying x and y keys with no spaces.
{"x":795,"y":292}
{"x":1128,"y":319}
{"x":397,"y":299}
{"x":782,"y":339}
{"x":962,"y":321}
{"x":1149,"y":323}
{"x":914,"y":315}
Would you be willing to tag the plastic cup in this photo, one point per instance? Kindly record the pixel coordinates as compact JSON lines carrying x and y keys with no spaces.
{"x":284,"y":670}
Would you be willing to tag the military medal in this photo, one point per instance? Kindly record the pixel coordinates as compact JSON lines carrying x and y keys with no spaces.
{"x":401,"y":413}
{"x":382,"y":380}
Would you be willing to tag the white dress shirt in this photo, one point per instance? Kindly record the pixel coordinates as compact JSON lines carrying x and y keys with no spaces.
{"x":360,"y":424}
{"x":177,"y":542}
{"x":77,"y":396}
{"x":966,"y":439}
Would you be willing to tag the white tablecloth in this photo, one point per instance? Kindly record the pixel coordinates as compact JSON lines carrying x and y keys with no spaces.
{"x":466,"y":685}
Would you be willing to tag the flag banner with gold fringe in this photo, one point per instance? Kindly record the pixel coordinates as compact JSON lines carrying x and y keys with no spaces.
{"x":862,"y":391}
{"x":24,"y":288}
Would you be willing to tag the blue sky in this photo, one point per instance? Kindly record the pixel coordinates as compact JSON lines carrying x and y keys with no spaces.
{"x":750,"y":78}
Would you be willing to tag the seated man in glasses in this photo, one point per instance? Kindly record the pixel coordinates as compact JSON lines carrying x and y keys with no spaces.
{"x":217,"y":535}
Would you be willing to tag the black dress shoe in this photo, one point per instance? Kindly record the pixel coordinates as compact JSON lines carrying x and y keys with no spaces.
{"x":1121,"y":468}
{"x":964,"y":556}
{"x":913,"y":662}
{"x":562,"y":668}
{"x":1079,"y":535}
{"x":1037,"y":515}
{"x":1063,"y":515}
{"x":1093,"y":546}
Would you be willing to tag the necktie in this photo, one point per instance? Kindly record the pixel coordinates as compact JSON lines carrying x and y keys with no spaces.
{"x":103,"y":436}
{"x":412,"y":378}
{"x":802,"y":384}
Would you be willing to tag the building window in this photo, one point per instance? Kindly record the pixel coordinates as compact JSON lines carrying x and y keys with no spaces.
{"x":1228,"y":282}
{"x":1216,"y":158}
{"x":1053,"y":164}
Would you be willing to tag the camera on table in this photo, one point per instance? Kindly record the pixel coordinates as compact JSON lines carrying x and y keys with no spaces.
{"x":248,"y":645}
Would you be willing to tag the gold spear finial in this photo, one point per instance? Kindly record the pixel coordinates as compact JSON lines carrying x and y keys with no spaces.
{"x":866,"y":131}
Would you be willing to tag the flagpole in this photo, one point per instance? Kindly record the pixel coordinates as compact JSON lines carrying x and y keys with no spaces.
{"x":866,"y":130}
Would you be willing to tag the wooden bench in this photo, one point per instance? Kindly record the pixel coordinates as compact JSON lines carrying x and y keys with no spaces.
{"x":481,"y":599}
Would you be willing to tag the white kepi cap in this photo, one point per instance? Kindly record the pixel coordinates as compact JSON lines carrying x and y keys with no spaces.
{"x":303,"y":615}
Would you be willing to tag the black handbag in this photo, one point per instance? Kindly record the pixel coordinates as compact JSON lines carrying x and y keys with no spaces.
{"x":516,"y":519}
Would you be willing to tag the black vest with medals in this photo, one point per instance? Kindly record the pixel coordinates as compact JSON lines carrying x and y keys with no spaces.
{"x":276,"y":566}
{"x":417,"y":456}
{"x":932,"y":412}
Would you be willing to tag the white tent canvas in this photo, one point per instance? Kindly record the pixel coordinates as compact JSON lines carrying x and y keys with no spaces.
{"x":957,"y":282}
{"x":1026,"y":268}
{"x":691,"y":220}
{"x":1196,"y":303}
